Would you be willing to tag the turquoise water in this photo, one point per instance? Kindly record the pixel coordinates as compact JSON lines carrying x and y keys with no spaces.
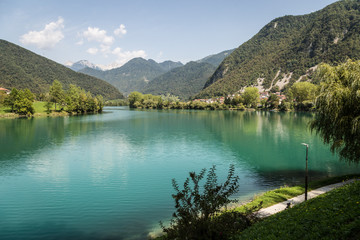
{"x":108,"y":176}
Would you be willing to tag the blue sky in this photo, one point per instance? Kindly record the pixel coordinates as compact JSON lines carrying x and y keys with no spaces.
{"x":106,"y":32}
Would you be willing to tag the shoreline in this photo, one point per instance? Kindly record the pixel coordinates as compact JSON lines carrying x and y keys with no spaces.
{"x":316,"y":188}
{"x":36,"y":115}
{"x":66,"y":114}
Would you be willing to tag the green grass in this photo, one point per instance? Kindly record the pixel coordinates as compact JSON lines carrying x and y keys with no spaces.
{"x":40,"y":111}
{"x":39,"y":107}
{"x":4,"y":110}
{"x":282,"y":194}
{"x":333,"y":215}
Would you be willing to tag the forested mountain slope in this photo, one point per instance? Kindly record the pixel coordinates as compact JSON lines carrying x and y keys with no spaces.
{"x":287,"y":47}
{"x":216,"y":59}
{"x":183,"y":81}
{"x":21,"y":68}
{"x":187,"y":80}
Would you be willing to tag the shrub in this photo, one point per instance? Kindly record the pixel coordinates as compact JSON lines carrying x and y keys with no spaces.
{"x":197,"y":214}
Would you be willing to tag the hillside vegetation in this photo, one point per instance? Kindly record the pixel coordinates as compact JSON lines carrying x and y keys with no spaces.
{"x":216,"y":59}
{"x":290,"y":46}
{"x":187,"y":80}
{"x":183,"y":81}
{"x":21,"y":68}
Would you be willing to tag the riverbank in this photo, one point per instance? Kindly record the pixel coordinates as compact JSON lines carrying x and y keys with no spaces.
{"x":40,"y":111}
{"x":285,"y":193}
{"x":332,"y":215}
{"x":52,"y":114}
{"x":276,"y":200}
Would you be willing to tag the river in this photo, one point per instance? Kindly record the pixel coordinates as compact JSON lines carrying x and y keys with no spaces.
{"x":108,"y":176}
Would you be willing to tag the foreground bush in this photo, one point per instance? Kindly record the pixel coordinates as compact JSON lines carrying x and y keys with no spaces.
{"x":197,"y":214}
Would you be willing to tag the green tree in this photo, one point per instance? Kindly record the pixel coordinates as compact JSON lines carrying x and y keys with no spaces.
{"x":251,"y":96}
{"x":24,"y":106}
{"x":238,"y":99}
{"x":72,"y":99}
{"x":48,"y":106}
{"x":100,"y":103}
{"x":284,"y":106}
{"x":28,"y":94}
{"x":2,"y":97}
{"x":338,"y":109}
{"x":57,"y":93}
{"x":272,"y":102}
{"x":135,"y":97}
{"x":21,"y":101}
{"x":9,"y":101}
{"x":227,"y":101}
{"x":303,"y":91}
{"x":170,"y":98}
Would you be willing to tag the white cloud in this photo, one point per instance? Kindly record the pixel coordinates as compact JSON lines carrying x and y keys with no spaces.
{"x":120,"y":31}
{"x":92,"y":51}
{"x":95,"y":34}
{"x":105,"y":49}
{"x":46,"y":38}
{"x":81,"y":42}
{"x":123,"y":57}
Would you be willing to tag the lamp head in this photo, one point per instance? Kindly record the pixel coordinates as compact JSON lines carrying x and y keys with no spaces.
{"x":305,"y":144}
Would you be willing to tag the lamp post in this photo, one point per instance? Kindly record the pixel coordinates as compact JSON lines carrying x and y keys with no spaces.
{"x":306,"y":170}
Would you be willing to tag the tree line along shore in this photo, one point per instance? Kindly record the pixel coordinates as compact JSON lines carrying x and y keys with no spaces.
{"x":56,"y":102}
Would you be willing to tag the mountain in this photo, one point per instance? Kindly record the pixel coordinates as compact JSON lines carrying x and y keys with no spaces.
{"x":216,"y":59}
{"x":134,"y":75}
{"x":169,"y":65}
{"x":183,"y":81}
{"x":21,"y":68}
{"x":289,"y":48}
{"x":81,"y":65}
{"x":187,"y":80}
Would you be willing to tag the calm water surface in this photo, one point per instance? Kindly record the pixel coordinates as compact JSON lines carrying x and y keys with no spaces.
{"x":108,"y":176}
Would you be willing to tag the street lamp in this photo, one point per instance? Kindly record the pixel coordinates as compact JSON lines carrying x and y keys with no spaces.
{"x":306,"y":169}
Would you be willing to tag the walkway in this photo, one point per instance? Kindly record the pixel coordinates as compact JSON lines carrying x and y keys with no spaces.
{"x":265,"y":212}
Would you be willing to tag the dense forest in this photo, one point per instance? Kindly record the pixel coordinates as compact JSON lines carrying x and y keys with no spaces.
{"x":187,"y":80}
{"x":183,"y":82}
{"x":290,"y":44}
{"x":20,"y":68}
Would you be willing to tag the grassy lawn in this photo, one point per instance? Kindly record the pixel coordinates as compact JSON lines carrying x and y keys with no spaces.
{"x":282,"y":194}
{"x":4,"y":110}
{"x":39,"y":107}
{"x":40,"y":111}
{"x":333,"y":215}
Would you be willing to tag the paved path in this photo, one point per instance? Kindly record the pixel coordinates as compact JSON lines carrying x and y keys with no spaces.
{"x":265,"y":212}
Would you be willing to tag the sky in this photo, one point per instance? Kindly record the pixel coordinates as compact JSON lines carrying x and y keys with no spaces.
{"x":110,"y":32}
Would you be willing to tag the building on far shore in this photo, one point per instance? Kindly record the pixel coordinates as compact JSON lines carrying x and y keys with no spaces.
{"x":7,"y":91}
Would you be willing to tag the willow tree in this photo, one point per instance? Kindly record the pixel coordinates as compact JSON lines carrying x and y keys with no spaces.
{"x":338,"y":109}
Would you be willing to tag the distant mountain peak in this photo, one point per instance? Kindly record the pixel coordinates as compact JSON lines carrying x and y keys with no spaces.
{"x":79,"y":65}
